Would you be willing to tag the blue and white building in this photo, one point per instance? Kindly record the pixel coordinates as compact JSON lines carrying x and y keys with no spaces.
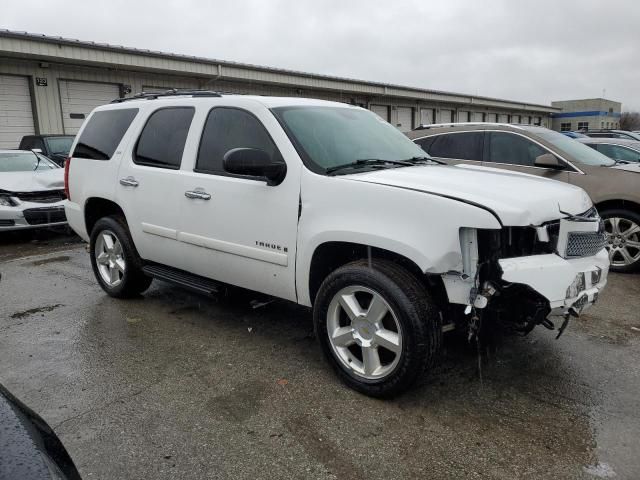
{"x":586,"y":114}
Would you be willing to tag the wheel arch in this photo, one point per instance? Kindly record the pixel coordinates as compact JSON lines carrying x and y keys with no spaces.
{"x":330,"y":255}
{"x":97,"y":207}
{"x":618,"y":204}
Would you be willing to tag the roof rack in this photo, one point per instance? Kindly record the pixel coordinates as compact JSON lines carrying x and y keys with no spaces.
{"x":169,"y":93}
{"x":472,"y":124}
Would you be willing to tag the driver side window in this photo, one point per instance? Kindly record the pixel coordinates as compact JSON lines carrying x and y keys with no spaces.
{"x":512,"y":149}
{"x":228,"y":128}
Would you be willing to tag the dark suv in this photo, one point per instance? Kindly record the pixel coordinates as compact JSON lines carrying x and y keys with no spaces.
{"x":612,"y":185}
{"x":54,"y":147}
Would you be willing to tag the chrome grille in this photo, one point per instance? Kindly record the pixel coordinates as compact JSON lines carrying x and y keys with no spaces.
{"x":585,"y":244}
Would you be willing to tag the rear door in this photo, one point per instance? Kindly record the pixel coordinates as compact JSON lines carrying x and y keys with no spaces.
{"x":512,"y":151}
{"x":149,"y":185}
{"x":453,"y":148}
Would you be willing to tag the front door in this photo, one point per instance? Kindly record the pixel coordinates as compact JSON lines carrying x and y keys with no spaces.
{"x":237,"y":229}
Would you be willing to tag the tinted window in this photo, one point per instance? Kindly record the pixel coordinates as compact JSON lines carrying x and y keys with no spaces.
{"x":103,"y":134}
{"x":425,"y":143}
{"x":59,"y":145}
{"x":162,"y":140}
{"x":226,"y":129}
{"x":463,"y":146}
{"x":619,"y":153}
{"x":514,"y":149}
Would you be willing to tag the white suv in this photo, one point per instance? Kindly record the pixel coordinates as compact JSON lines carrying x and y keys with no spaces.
{"x":327,"y":205}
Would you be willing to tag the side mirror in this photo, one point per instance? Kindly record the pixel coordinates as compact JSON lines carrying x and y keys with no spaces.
{"x":256,"y":163}
{"x":549,"y":160}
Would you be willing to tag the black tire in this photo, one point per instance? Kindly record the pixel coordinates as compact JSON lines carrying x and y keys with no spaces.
{"x":414,"y":310}
{"x":628,"y":216}
{"x":134,"y":281}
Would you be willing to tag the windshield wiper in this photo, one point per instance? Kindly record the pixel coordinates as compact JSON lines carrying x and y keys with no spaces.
{"x":424,"y":159}
{"x":37,"y":163}
{"x":364,"y":162}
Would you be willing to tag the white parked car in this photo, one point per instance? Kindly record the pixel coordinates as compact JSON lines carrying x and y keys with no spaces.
{"x":327,"y":205}
{"x":31,"y":191}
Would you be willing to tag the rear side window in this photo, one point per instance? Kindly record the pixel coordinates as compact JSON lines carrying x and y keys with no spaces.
{"x":103,"y":133}
{"x":462,"y":146}
{"x":513,"y":149}
{"x":226,"y":129}
{"x":162,"y":140}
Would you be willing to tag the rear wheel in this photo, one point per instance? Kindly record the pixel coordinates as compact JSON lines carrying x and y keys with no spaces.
{"x":377,"y":326}
{"x":114,"y":259}
{"x":623,"y":239}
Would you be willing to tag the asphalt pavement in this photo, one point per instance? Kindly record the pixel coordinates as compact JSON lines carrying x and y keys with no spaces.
{"x":175,"y":385}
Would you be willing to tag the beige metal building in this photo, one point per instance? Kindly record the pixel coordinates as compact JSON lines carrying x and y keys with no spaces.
{"x":50,"y":84}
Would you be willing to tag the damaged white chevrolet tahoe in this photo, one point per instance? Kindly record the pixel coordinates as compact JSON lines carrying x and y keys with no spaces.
{"x":326,"y":205}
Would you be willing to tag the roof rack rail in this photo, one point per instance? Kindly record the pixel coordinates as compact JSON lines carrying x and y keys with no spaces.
{"x":169,"y":93}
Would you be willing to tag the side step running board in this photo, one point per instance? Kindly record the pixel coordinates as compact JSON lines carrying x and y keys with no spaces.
{"x":184,"y":279}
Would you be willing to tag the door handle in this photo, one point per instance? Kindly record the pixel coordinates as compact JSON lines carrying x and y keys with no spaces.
{"x":197,"y":194}
{"x":129,"y":182}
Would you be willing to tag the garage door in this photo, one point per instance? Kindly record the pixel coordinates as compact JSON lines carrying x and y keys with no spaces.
{"x":446,"y":116}
{"x":427,"y":116}
{"x":503,"y":118}
{"x":515,"y":118}
{"x":463,"y":116}
{"x":380,"y":110}
{"x":16,"y":114}
{"x":405,"y":119}
{"x":79,"y":98}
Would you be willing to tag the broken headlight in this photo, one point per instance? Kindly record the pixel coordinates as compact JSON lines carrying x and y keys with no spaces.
{"x":5,"y":201}
{"x":577,"y":286}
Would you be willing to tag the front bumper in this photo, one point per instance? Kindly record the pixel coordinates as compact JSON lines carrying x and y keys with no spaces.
{"x":28,"y":215}
{"x":564,"y":283}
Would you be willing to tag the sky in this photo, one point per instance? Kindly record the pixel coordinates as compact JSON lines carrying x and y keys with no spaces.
{"x":531,"y":51}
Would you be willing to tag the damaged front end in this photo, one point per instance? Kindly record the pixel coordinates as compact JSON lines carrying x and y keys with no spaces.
{"x":517,"y":277}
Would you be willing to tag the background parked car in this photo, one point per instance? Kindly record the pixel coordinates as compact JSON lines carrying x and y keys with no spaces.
{"x":539,"y":151}
{"x":31,"y":191}
{"x":620,"y":149}
{"x":574,"y":134}
{"x":612,"y":134}
{"x":54,"y":147}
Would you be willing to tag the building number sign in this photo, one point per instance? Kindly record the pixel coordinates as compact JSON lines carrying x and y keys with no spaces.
{"x":41,"y":81}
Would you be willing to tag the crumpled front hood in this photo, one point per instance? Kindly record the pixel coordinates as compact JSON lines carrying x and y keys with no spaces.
{"x":517,"y":198}
{"x":32,"y":181}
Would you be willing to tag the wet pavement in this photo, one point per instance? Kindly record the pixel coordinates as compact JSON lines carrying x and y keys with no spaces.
{"x":174,"y":385}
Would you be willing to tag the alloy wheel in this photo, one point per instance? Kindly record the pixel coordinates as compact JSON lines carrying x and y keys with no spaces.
{"x":110,"y":258}
{"x":364,"y":332}
{"x":623,"y":241}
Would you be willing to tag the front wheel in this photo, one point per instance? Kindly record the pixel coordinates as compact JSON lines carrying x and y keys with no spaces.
{"x":377,"y":326}
{"x":623,"y":239}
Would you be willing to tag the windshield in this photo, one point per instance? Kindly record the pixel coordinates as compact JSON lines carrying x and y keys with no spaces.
{"x":578,"y":151}
{"x":24,"y":162}
{"x":335,"y":136}
{"x":59,"y":145}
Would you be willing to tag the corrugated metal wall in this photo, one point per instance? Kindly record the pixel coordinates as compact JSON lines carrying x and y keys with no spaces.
{"x":49,"y":115}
